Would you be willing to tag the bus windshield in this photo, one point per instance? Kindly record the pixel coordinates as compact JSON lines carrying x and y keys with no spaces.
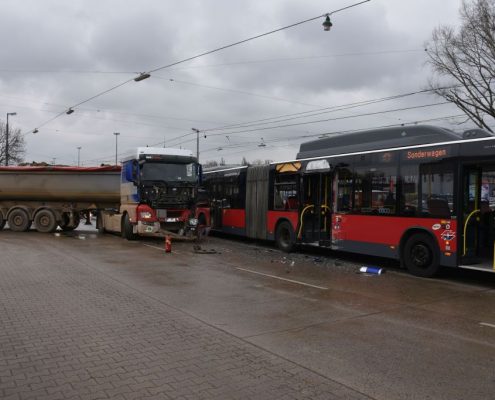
{"x":168,"y":172}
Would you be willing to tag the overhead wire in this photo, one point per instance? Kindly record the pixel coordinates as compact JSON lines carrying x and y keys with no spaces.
{"x":227,"y":64}
{"x":111,"y":157}
{"x":147,"y":74}
{"x":302,"y":114}
{"x":236,"y":91}
{"x":256,"y":37}
{"x":328,"y":134}
{"x":328,"y":119}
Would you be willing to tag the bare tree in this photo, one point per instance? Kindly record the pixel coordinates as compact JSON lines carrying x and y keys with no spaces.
{"x":210,"y":164}
{"x":17,"y":145}
{"x":463,"y":61}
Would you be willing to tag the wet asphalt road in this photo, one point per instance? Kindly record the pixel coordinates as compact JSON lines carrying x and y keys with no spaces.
{"x":307,"y":322}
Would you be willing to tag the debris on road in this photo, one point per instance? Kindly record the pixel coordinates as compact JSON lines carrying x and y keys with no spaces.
{"x":199,"y":250}
{"x":372,"y":270}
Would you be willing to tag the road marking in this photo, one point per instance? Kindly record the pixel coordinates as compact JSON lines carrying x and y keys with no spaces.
{"x":282,"y":279}
{"x":159,"y":248}
{"x":487,"y":324}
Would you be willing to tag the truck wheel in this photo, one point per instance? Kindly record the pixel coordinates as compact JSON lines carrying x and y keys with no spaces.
{"x":285,"y":236}
{"x":19,"y":220}
{"x":127,"y":231}
{"x":45,"y":221}
{"x":65,"y":223}
{"x":421,"y":256}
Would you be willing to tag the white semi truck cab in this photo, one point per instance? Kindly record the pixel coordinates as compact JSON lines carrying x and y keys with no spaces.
{"x":158,"y":195}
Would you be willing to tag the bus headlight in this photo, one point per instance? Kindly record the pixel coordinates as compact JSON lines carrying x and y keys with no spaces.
{"x":193,"y":221}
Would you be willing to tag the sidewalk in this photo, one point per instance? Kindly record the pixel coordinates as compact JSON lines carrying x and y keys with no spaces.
{"x":71,"y":332}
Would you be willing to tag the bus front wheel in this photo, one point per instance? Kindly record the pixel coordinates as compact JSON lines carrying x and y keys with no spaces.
{"x":285,"y":236}
{"x":421,"y":255}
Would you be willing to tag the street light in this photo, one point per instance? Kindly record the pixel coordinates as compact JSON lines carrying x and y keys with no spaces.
{"x":78,"y":155}
{"x":7,"y":138}
{"x":142,"y":76}
{"x":327,"y":24}
{"x":116,"y":136}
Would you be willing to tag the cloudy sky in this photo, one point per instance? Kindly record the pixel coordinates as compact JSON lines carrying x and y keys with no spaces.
{"x":257,"y":100}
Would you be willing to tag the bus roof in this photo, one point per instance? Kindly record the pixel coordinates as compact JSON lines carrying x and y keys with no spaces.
{"x":403,"y":136}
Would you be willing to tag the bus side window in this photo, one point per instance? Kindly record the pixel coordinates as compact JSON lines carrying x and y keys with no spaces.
{"x":285,"y":192}
{"x":344,"y":189}
{"x":437,"y":187}
{"x":292,"y":203}
{"x":438,"y":208}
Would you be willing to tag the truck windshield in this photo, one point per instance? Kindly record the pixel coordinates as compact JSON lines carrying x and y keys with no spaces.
{"x":168,"y":172}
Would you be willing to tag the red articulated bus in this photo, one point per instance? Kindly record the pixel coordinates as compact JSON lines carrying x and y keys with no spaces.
{"x":421,"y":194}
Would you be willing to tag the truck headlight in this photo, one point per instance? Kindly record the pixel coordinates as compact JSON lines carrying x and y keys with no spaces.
{"x":193,"y":221}
{"x":145,"y":215}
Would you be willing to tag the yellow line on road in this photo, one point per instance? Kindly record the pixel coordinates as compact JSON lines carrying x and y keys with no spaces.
{"x":282,"y":279}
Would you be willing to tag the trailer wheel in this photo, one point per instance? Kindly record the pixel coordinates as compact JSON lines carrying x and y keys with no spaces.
{"x":127,"y":231}
{"x":421,"y":256}
{"x":2,"y":221}
{"x":285,"y":237}
{"x":45,"y":221}
{"x":64,"y":224}
{"x":19,"y":220}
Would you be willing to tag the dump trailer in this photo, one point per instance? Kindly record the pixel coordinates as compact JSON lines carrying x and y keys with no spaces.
{"x":159,"y":190}
{"x":54,"y":196}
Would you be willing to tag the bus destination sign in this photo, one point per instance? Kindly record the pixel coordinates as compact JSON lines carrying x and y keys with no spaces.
{"x":426,"y":154}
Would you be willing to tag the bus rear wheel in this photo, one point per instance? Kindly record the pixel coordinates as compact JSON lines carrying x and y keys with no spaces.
{"x":421,"y":256}
{"x":285,"y":236}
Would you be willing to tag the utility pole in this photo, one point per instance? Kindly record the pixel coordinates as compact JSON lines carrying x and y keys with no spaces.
{"x":7,"y":138}
{"x":116,"y":148}
{"x":78,"y":155}
{"x":197,"y":143}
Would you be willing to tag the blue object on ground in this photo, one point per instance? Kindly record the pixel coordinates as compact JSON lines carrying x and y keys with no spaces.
{"x":372,"y":270}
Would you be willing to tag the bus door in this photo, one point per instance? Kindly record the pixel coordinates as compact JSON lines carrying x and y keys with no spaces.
{"x":217,"y":206}
{"x":316,"y":213}
{"x":478,"y":211}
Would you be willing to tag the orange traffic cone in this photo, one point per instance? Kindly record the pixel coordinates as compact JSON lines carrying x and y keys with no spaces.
{"x":168,"y":244}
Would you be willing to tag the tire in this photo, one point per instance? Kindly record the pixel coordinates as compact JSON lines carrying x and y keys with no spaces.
{"x":19,"y":220}
{"x":127,"y":231}
{"x":64,"y":224}
{"x":2,"y":221}
{"x":99,"y":223}
{"x":285,"y":236}
{"x":421,"y":255}
{"x":45,"y":221}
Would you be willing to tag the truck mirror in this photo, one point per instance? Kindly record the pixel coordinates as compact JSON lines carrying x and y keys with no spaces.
{"x":130,"y":171}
